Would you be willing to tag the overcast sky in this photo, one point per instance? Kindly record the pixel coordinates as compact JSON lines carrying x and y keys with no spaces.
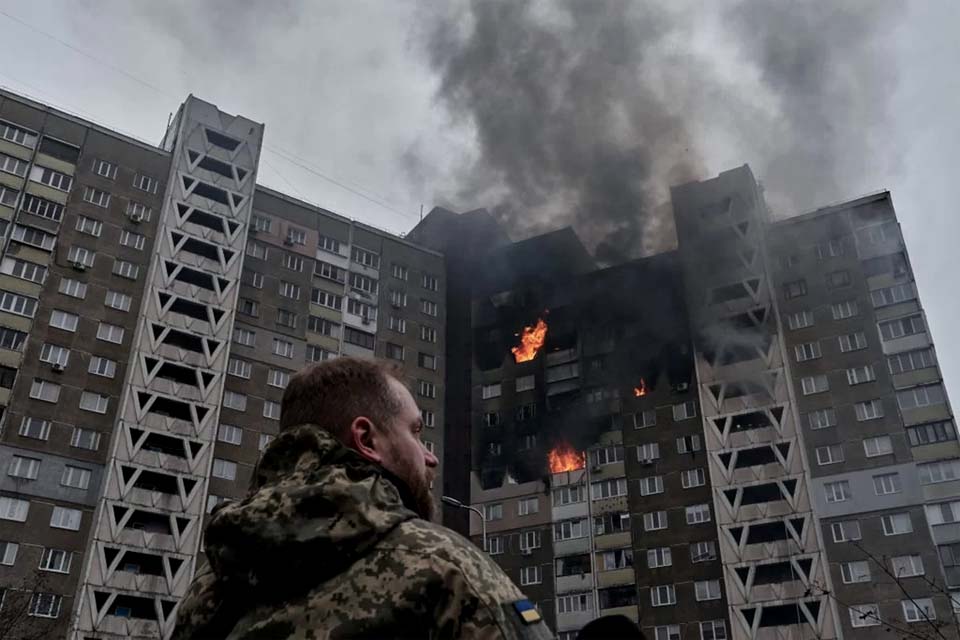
{"x":405,"y":103}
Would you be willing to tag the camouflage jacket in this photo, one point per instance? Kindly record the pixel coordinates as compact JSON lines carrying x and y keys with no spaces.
{"x":324,"y":547}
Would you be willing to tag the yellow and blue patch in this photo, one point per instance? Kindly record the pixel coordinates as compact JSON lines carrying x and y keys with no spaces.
{"x":528,"y":612}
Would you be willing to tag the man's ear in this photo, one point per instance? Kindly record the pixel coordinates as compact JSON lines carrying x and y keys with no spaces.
{"x":364,"y":439}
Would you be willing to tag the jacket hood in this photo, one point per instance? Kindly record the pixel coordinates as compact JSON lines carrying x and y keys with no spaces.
{"x":315,"y":507}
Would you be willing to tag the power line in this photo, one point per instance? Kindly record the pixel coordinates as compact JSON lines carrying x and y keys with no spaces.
{"x":285,"y":155}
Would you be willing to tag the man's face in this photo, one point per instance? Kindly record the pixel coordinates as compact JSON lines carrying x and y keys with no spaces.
{"x":404,"y":454}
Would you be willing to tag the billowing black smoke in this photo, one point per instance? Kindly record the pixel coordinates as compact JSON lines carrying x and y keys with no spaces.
{"x":585,"y":112}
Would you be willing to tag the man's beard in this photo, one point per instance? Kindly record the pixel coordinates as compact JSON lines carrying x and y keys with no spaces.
{"x":423,"y":497}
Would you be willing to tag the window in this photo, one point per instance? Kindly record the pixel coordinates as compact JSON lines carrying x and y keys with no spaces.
{"x":831,"y":454}
{"x":427,"y":361}
{"x":429,"y":418}
{"x":844,"y":310}
{"x":649,"y":452}
{"x":494,"y":545}
{"x":287,"y":318}
{"x":75,"y":477}
{"x":110,"y":333}
{"x":24,"y":270}
{"x":852,"y":342}
{"x":651,"y":485}
{"x":608,"y":488}
{"x":85,"y":439}
{"x":81,"y":257}
{"x":654,"y":520}
{"x":667,"y":632}
{"x":921,"y":396}
{"x":14,"y":509}
{"x":365,"y":284}
{"x":8,"y":553}
{"x":34,"y":428}
{"x":831,"y":249}
{"x":296,"y":236}
{"x":488,"y":391}
{"x":887,"y":484}
{"x":622,"y":559}
{"x":12,"y":339}
{"x":857,"y":571}
{"x":838,"y":491}
{"x":234,"y":400}
{"x":814,"y":384}
{"x":95,"y":197}
{"x":838,"y":279}
{"x":893,"y":329}
{"x":684,"y":411}
{"x":528,"y":506}
{"x":711,"y":630}
{"x":278,"y":378}
{"x":692,"y":478}
{"x":531,"y":575}
{"x":911,"y":360}
{"x":644,"y":419}
{"x":570,"y":494}
{"x":931,"y":433}
{"x":426,"y":389}
{"x":33,"y":237}
{"x":870,"y":410}
{"x":907,"y":566}
{"x":271,"y":410}
{"x":45,"y":605}
{"x":606,"y":455}
{"x":292,"y":262}
{"x":125,"y":269}
{"x":73,"y":288}
{"x":328,"y":244}
{"x":230,"y":434}
{"x":707,"y":590}
{"x":365,"y":257}
{"x":864,"y":615}
{"x":145,"y":183}
{"x":688,"y":444}
{"x":918,"y":610}
{"x":53,"y":354}
{"x":860,"y":375}
{"x":252,"y":278}
{"x":264,"y":441}
{"x":256,"y":250}
{"x":800,"y":320}
{"x":132,"y":240}
{"x":574,"y":602}
{"x":937,"y":472}
{"x":393,"y":351}
{"x":138,"y":212}
{"x":663,"y":595}
{"x":493,"y":511}
{"x":429,"y":282}
{"x":18,"y":305}
{"x":399,"y":271}
{"x":896,"y":524}
{"x":365,"y":311}
{"x":17,"y":135}
{"x":660,"y":557}
{"x":845,"y":531}
{"x":239,"y":368}
{"x":397,"y":324}
{"x":282,"y":348}
{"x":23,"y":467}
{"x":795,"y":289}
{"x":44,"y":390}
{"x":319,"y":354}
{"x":9,"y":164}
{"x":430,"y":308}
{"x":9,"y":198}
{"x":64,"y":518}
{"x":94,"y":402}
{"x":224,"y":469}
{"x":808,"y":351}
{"x":529,"y":540}
{"x":570,"y":529}
{"x":428,"y":334}
{"x":118,"y":301}
{"x":893,"y":295}
{"x":698,"y":514}
{"x":877,"y":446}
{"x":261,"y":223}
{"x":51,"y":178}
{"x":244,"y":337}
{"x":705,"y":551}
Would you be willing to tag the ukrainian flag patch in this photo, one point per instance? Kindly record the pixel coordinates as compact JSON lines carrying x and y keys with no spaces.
{"x":528,"y":613}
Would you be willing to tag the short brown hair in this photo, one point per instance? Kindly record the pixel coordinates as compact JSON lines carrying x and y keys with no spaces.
{"x":333,"y":393}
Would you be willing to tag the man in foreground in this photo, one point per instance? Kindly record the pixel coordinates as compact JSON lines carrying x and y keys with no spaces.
{"x":335,"y":540}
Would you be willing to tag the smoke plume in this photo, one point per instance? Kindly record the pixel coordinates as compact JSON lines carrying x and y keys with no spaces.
{"x":585,"y":113}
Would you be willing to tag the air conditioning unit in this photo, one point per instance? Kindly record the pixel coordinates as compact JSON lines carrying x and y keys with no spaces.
{"x":136,"y":217}
{"x":79,"y":266}
{"x":681,"y":387}
{"x":526,"y":552}
{"x":56,"y":366}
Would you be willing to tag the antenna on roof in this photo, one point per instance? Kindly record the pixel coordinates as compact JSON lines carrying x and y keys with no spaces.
{"x":421,"y":212}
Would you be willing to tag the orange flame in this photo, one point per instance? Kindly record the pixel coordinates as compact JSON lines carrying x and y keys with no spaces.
{"x":563,"y":457}
{"x":531,"y":341}
{"x":640,"y":390}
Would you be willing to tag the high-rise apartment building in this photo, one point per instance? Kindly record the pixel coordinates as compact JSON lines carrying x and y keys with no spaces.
{"x":153,"y":303}
{"x":747,"y":437}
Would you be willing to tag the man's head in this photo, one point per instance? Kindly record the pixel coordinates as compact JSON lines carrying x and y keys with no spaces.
{"x":365,"y":406}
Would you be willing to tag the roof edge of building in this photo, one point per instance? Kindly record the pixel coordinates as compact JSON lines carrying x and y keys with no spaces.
{"x":834,"y":207}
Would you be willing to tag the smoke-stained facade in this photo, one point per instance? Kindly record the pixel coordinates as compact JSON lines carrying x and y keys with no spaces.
{"x":756,"y":437}
{"x":155,"y":301}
